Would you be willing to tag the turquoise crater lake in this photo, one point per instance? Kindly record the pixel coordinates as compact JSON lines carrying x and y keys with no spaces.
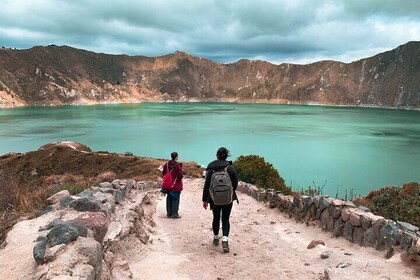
{"x":352,"y":148}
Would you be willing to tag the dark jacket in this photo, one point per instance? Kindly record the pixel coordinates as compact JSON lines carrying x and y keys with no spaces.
{"x":177,"y":173}
{"x":219,"y":165}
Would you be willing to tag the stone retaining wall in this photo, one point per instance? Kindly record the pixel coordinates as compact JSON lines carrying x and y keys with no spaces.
{"x":342,"y":218}
{"x":71,"y":247}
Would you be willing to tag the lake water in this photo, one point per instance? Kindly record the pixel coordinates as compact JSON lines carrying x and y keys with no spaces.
{"x":352,"y":148}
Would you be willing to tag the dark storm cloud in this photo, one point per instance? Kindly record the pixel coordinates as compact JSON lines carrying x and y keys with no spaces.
{"x":391,"y":8}
{"x":276,"y":30}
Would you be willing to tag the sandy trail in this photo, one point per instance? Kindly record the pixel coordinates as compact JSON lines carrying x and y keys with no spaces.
{"x":265,"y":244}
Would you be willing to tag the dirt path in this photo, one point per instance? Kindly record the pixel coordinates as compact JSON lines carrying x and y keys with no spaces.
{"x":265,"y":244}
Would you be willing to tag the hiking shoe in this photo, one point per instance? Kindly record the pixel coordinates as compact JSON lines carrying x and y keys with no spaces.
{"x":176,"y":216}
{"x":168,"y":215}
{"x":216,"y":241}
{"x":225,"y":246}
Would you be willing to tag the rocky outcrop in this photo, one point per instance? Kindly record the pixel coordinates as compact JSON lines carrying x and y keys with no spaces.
{"x":77,"y":242}
{"x":63,"y":75}
{"x":342,"y":218}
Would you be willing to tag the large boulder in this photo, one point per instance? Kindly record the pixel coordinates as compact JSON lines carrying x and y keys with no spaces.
{"x":90,"y":252}
{"x":338,"y":228}
{"x":389,"y":233}
{"x":324,"y":218}
{"x":100,"y":197}
{"x":296,"y":202}
{"x":97,"y":222}
{"x":324,"y":202}
{"x":335,"y":211}
{"x":118,"y":195}
{"x":81,"y":228}
{"x":307,"y":204}
{"x":55,"y":198}
{"x":52,"y":224}
{"x":62,"y":234}
{"x":108,"y":185}
{"x":406,"y":239}
{"x":330,"y":223}
{"x":358,"y":235}
{"x":345,"y":214}
{"x":369,"y":238}
{"x":80,"y":260}
{"x":84,"y":271}
{"x":85,"y":204}
{"x":65,"y":201}
{"x":365,"y":222}
{"x":354,"y":219}
{"x":348,"y":231}
{"x":377,"y":225}
{"x":85,"y":193}
{"x":407,"y":226}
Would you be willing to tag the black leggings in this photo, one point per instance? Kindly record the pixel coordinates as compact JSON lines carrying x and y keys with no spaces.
{"x":225,"y":210}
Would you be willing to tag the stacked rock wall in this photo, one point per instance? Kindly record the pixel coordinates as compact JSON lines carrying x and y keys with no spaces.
{"x":342,"y":218}
{"x":72,"y":247}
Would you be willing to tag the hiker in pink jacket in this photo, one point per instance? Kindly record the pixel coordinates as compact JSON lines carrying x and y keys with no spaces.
{"x":173,"y":196}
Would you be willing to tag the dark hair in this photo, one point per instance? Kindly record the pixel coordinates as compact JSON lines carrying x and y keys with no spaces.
{"x":222,"y":153}
{"x":174,"y":155}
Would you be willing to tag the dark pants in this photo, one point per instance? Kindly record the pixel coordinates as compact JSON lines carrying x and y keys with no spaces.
{"x":225,"y":211}
{"x":172,"y":203}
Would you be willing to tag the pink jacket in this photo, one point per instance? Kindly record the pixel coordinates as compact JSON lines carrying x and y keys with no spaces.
{"x":176,"y":173}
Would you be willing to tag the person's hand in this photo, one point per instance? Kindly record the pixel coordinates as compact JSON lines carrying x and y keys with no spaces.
{"x":205,"y":205}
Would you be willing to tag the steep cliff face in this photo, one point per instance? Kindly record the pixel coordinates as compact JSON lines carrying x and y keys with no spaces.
{"x":62,"y":75}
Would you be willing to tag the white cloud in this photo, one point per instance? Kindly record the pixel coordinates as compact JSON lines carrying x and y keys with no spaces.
{"x":278,"y":30}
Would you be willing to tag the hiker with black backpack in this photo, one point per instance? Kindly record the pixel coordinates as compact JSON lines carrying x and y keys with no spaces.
{"x":172,"y":185}
{"x":219,"y":190}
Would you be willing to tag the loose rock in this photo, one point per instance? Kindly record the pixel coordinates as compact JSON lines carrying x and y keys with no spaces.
{"x":343,"y":265}
{"x":326,"y":254}
{"x":315,"y":243}
{"x":39,"y":250}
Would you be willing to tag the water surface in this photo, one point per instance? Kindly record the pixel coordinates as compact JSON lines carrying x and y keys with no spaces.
{"x":352,"y":148}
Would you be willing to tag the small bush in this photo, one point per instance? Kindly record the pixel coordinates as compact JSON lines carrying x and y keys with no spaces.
{"x":255,"y":170}
{"x":396,"y":203}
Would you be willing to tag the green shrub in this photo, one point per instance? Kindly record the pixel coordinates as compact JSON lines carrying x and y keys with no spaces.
{"x":255,"y":170}
{"x":396,"y":203}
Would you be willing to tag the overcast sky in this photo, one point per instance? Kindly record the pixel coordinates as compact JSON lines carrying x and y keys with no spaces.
{"x":299,"y":31}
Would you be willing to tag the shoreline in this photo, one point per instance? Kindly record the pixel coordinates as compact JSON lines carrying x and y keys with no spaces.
{"x":263,"y":102}
{"x":295,"y":189}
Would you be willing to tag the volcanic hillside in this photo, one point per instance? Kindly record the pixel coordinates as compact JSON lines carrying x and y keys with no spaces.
{"x":57,"y":75}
